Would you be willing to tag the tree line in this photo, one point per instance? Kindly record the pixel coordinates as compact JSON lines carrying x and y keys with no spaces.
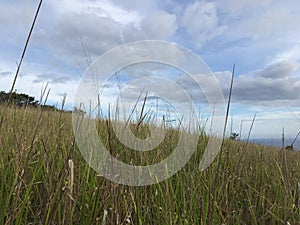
{"x":20,"y":99}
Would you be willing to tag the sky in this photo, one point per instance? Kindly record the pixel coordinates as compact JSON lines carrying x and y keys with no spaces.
{"x":261,"y":37}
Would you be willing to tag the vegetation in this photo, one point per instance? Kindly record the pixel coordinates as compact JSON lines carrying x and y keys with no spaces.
{"x":21,"y":99}
{"x":44,"y":180}
{"x":17,"y":99}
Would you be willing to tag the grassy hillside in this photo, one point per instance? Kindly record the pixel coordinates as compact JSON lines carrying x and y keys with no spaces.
{"x":255,"y":184}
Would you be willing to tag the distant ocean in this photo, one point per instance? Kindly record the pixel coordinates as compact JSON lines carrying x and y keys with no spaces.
{"x":276,"y":142}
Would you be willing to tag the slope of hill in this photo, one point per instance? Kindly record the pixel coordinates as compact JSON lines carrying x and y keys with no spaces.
{"x":43,"y":181}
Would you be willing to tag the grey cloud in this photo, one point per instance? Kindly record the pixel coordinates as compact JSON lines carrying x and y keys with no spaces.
{"x":276,"y":83}
{"x":64,"y":33}
{"x":5,"y":73}
{"x":251,"y":89}
{"x":23,"y":10}
{"x":97,"y":33}
{"x":263,"y":87}
{"x":51,"y":78}
{"x":278,"y":70}
{"x":258,"y":89}
{"x":109,"y":85}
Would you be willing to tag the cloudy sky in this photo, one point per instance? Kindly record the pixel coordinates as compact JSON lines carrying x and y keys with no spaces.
{"x":262,"y":37}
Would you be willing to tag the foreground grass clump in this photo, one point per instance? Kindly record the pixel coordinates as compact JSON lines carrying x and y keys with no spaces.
{"x":39,"y":185}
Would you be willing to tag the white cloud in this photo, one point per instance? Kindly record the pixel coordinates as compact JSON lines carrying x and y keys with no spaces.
{"x":261,"y":20}
{"x":293,"y":53}
{"x":201,"y":22}
{"x":103,"y":8}
{"x":261,"y":36}
{"x":159,"y":25}
{"x":144,"y":6}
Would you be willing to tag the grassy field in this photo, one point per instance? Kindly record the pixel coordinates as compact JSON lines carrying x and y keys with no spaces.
{"x":39,"y":184}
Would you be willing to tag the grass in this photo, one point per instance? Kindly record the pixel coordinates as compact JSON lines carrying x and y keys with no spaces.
{"x":40,"y":185}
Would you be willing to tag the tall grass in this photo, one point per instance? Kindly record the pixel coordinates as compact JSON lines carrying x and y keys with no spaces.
{"x":39,"y":185}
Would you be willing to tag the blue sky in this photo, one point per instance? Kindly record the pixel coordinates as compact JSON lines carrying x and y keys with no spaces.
{"x":262,"y":37}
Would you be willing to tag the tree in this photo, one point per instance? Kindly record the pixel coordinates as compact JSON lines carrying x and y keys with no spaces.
{"x":234,"y":136}
{"x":18,"y":99}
